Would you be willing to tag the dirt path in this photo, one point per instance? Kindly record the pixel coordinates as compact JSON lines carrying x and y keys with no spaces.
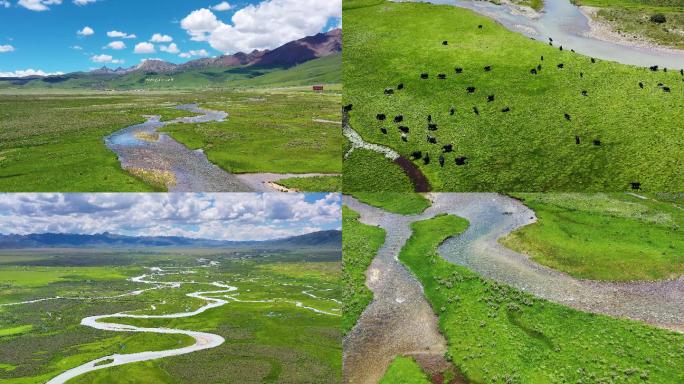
{"x":400,"y":321}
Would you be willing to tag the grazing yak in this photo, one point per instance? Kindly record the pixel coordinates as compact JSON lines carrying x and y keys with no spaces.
{"x":507,"y":109}
{"x":431,"y":139}
{"x":577,"y":140}
{"x":470,"y":89}
{"x":429,"y":118}
{"x":539,"y":67}
{"x":445,"y":42}
{"x":441,"y":160}
{"x":480,"y":26}
{"x":653,"y":68}
{"x":424,"y":76}
{"x":432,"y":127}
{"x":584,"y":93}
{"x":400,"y":86}
{"x":389,"y":91}
{"x":488,"y":68}
{"x":417,"y":155}
{"x":452,"y":111}
{"x":404,"y":128}
{"x":567,"y":117}
{"x":348,"y":107}
{"x":404,"y":138}
{"x":666,"y":89}
{"x":398,"y":118}
{"x":459,"y":70}
{"x":383,"y":130}
{"x":542,"y":58}
{"x":461,"y":160}
{"x":561,"y":47}
{"x":490,"y":98}
{"x":426,"y":159}
{"x":381,"y":116}
{"x":597,"y":142}
{"x":641,"y":85}
{"x":448,"y":148}
{"x":533,"y":71}
{"x":581,"y":74}
{"x":593,"y":60}
{"x":477,"y":111}
{"x":560,"y":66}
{"x":636,"y":185}
{"x":441,"y":76}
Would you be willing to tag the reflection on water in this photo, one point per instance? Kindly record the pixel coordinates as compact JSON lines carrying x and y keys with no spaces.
{"x":564,"y":22}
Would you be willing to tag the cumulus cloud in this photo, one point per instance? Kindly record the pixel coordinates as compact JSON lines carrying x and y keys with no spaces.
{"x":105,"y":59}
{"x":28,"y":72}
{"x":159,"y":38}
{"x":214,"y":216}
{"x":116,"y":45}
{"x":121,"y":35}
{"x":266,"y":25}
{"x":199,"y":53}
{"x":76,"y":47}
{"x":86,"y":31}
{"x":6,"y":48}
{"x":222,"y":6}
{"x":38,"y":5}
{"x":5,"y":4}
{"x":83,"y":2}
{"x":142,"y":48}
{"x":171,"y":48}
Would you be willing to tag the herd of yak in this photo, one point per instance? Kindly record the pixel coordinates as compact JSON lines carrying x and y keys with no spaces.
{"x":432,"y":126}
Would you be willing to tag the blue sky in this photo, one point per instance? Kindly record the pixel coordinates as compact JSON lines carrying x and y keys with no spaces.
{"x":228,"y":216}
{"x":72,"y":35}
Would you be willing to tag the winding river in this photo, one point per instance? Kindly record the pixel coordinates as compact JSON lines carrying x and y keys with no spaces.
{"x":399,"y":302}
{"x":569,"y":27}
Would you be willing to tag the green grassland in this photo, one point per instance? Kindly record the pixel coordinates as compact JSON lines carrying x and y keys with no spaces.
{"x":532,"y":147}
{"x":604,"y":236}
{"x":401,"y":203}
{"x":313,"y":184}
{"x":324,"y":70}
{"x":359,"y":246}
{"x":364,"y":170}
{"x":632,"y":17}
{"x":55,"y":142}
{"x":265,"y":342}
{"x":404,"y":370}
{"x":497,"y":334}
{"x":270,"y":131}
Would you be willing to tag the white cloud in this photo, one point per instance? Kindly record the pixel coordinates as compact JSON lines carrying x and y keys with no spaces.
{"x":76,"y":47}
{"x":159,"y":38}
{"x":86,"y":31}
{"x":28,"y":72}
{"x":105,"y":59}
{"x":171,"y":48}
{"x":83,"y":2}
{"x":121,"y":35}
{"x":116,"y":45}
{"x":6,"y":48}
{"x":222,"y":6}
{"x":142,"y":48}
{"x":5,"y":3}
{"x":38,"y":5}
{"x":200,"y":53}
{"x":266,"y":25}
{"x":235,"y":216}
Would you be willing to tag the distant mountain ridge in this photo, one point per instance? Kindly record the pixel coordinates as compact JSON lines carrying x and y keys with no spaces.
{"x":332,"y":238}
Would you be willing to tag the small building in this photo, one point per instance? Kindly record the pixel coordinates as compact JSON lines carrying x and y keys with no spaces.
{"x":318,"y":88}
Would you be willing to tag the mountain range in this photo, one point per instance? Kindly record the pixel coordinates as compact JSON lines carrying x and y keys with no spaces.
{"x":322,"y":239}
{"x":214,"y":71}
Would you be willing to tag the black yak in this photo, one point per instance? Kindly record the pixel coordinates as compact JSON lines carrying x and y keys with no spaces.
{"x":470,"y":89}
{"x":542,"y":58}
{"x":561,"y":47}
{"x":348,"y":107}
{"x":488,"y":68}
{"x":383,"y":130}
{"x":567,"y":117}
{"x":533,"y":71}
{"x":666,"y":89}
{"x":404,"y":138}
{"x":490,"y":98}
{"x":584,"y":93}
{"x":445,"y":42}
{"x":507,"y":109}
{"x":461,"y":160}
{"x":452,"y":111}
{"x":539,"y":67}
{"x":417,"y":155}
{"x":653,"y":68}
{"x":400,"y":86}
{"x":426,"y":159}
{"x":448,"y":148}
{"x":593,"y":60}
{"x":577,"y":140}
{"x":636,"y":185}
{"x":441,"y":76}
{"x":560,"y":66}
{"x":399,"y":118}
{"x":459,"y":70}
{"x":597,"y":142}
{"x":389,"y":91}
{"x":404,"y":128}
{"x":429,"y":118}
{"x":381,"y":116}
{"x":424,"y":76}
{"x":477,"y":111}
{"x":441,"y":160}
{"x":431,"y":139}
{"x":641,"y":85}
{"x":432,"y":127}
{"x":480,"y":26}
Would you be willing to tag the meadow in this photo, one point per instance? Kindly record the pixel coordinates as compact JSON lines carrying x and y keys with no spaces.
{"x":497,"y":334}
{"x":633,"y":17}
{"x":520,"y":141}
{"x":265,"y":341}
{"x":614,"y":237}
{"x":61,"y":147}
{"x":359,"y":246}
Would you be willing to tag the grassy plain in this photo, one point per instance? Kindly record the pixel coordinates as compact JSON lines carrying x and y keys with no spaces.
{"x":405,"y":370}
{"x":401,"y":203}
{"x":314,"y":184}
{"x":359,"y":246}
{"x":265,"y":341}
{"x":497,"y":334}
{"x":616,"y":237}
{"x":61,"y":147}
{"x":531,"y":147}
{"x":632,"y":17}
{"x":364,"y":170}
